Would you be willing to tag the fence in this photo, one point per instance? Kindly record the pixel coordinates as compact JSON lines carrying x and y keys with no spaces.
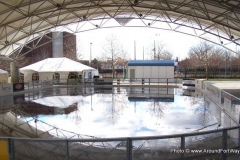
{"x":229,"y":102}
{"x":108,"y":81}
{"x":214,"y":144}
{"x":10,"y":88}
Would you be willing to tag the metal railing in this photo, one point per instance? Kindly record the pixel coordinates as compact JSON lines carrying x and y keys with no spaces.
{"x":143,"y":82}
{"x":230,"y":103}
{"x":216,"y":144}
{"x":8,"y":89}
{"x":146,"y":81}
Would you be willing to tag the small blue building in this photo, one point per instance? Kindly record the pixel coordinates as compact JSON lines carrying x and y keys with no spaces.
{"x":154,"y":69}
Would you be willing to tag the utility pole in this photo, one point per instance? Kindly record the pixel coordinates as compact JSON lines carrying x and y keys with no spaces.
{"x":154,"y":50}
{"x":134,"y":50}
{"x":143,"y":52}
{"x":226,"y":65}
{"x":90,"y":52}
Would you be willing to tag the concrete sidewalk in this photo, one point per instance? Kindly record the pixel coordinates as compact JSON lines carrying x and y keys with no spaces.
{"x":232,"y":87}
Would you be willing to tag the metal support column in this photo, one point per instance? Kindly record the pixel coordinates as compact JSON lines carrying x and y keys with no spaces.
{"x":11,"y":149}
{"x":224,"y":143}
{"x":129,"y":149}
{"x":182,"y":145}
{"x":67,"y":150}
{"x":14,"y":72}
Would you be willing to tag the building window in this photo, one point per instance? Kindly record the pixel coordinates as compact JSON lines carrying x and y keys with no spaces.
{"x":21,"y":77}
{"x":56,"y":76}
{"x":72,"y":75}
{"x":89,"y":74}
{"x":35,"y":77}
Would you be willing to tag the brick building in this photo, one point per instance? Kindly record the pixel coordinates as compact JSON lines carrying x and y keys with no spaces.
{"x":63,"y":44}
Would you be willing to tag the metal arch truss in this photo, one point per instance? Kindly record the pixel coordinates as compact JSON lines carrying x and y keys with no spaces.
{"x":11,"y":125}
{"x":24,"y":20}
{"x":17,"y":123}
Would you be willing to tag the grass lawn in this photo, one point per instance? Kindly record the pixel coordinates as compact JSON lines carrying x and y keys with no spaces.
{"x":223,"y":79}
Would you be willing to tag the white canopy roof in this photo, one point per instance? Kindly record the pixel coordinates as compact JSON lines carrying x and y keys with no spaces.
{"x":3,"y":72}
{"x":58,"y":101}
{"x":56,"y":65}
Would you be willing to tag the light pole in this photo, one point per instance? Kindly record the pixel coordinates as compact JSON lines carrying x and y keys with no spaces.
{"x":90,"y":52}
{"x":225,"y":65}
{"x":154,"y":51}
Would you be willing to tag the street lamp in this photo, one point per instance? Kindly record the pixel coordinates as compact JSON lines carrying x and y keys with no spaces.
{"x":90,"y":52}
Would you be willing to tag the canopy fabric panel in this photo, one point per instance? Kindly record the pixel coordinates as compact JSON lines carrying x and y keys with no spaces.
{"x":56,"y":65}
{"x":59,"y":101}
{"x":3,"y":76}
{"x":3,"y":72}
{"x":24,"y":20}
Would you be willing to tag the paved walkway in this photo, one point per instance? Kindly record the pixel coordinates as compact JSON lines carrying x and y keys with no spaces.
{"x":232,"y":87}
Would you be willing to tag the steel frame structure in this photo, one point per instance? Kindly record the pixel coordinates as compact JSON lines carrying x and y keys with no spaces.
{"x":24,"y":20}
{"x":127,"y":148}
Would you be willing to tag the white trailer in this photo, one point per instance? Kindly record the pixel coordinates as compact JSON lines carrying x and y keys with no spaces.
{"x":156,"y":70}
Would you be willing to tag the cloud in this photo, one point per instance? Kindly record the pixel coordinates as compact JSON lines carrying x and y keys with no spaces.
{"x":104,"y":120}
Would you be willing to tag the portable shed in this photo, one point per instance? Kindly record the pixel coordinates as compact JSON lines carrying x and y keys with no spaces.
{"x":51,"y":67}
{"x":153,"y":69}
{"x":3,"y":76}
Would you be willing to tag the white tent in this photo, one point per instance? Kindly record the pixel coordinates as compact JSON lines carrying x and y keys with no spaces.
{"x":3,"y":76}
{"x":59,"y":101}
{"x":47,"y":67}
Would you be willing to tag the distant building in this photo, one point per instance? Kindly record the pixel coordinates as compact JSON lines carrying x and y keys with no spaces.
{"x":62,"y":45}
{"x":35,"y":109}
{"x":153,"y":69}
{"x":85,"y":62}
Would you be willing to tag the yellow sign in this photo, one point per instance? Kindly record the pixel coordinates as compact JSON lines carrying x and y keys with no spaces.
{"x":4,"y":155}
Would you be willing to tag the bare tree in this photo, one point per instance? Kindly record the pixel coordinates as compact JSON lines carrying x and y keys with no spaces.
{"x":156,"y":109}
{"x":42,"y":54}
{"x":115,"y":107}
{"x":204,"y":115}
{"x":112,"y":51}
{"x":5,"y":63}
{"x":227,"y":61}
{"x":216,"y":61}
{"x":95,"y":63}
{"x":70,"y":49}
{"x":185,"y":65}
{"x":235,"y":64}
{"x":158,"y":51}
{"x":122,"y":61}
{"x":203,"y":55}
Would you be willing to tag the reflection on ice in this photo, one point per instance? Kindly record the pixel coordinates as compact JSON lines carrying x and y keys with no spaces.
{"x":58,"y":101}
{"x":113,"y":115}
{"x":120,"y":112}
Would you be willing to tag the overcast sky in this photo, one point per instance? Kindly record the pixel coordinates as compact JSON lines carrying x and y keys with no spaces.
{"x":179,"y":44}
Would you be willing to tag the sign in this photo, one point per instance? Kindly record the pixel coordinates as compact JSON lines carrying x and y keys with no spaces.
{"x":6,"y":88}
{"x":6,"y":102}
{"x":18,"y":87}
{"x":47,"y":83}
{"x":19,"y":98}
{"x":47,"y":92}
{"x":4,"y":155}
